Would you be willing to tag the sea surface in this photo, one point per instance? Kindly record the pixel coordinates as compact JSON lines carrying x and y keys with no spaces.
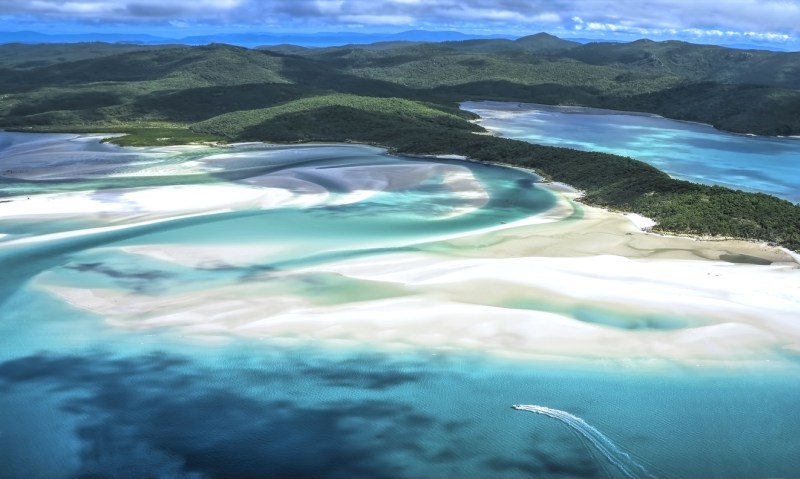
{"x":84,"y":394}
{"x":688,"y":151}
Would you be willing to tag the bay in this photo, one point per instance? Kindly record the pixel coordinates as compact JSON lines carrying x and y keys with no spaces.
{"x":688,"y":151}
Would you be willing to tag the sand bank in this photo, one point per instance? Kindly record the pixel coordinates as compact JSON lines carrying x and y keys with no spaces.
{"x":590,"y":231}
{"x":500,"y":306}
{"x":593,"y":287}
{"x":294,"y":188}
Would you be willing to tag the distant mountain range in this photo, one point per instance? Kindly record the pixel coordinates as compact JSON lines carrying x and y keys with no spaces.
{"x":322,"y":39}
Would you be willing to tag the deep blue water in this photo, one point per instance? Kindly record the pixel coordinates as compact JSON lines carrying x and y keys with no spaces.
{"x":685,"y":150}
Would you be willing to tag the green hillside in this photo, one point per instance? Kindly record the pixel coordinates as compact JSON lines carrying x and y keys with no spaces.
{"x":695,"y":62}
{"x":23,"y":56}
{"x":667,"y":78}
{"x":337,"y":117}
{"x":746,"y":91}
{"x":176,"y":85}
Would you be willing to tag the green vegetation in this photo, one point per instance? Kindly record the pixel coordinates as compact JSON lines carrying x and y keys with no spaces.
{"x":403,"y":96}
{"x":162,"y":137}
{"x":333,"y":118}
{"x":22,"y":56}
{"x":743,"y":91}
{"x":746,"y":91}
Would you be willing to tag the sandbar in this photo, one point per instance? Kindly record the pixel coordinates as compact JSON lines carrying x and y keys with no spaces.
{"x":594,"y":287}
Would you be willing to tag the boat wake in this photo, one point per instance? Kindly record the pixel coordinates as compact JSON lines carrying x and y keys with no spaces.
{"x":616,"y":456}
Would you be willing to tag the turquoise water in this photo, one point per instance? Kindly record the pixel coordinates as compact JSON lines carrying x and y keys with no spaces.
{"x":83,"y":396}
{"x":688,"y":151}
{"x":265,"y":410}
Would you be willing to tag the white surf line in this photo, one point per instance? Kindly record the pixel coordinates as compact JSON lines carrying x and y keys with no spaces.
{"x":619,"y":458}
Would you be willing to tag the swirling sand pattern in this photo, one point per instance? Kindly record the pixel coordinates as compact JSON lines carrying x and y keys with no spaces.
{"x":315,"y":310}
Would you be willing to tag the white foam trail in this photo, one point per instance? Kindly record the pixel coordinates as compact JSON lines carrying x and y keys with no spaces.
{"x":616,"y":456}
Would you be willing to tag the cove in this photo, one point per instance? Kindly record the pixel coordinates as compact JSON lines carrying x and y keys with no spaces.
{"x":687,"y":151}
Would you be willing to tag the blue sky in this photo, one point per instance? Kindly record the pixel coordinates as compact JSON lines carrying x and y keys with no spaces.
{"x":708,"y":21}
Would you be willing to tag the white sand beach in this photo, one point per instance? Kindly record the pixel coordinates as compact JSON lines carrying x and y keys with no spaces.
{"x":593,"y":288}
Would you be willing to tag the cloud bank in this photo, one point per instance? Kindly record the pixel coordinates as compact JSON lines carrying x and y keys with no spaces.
{"x":767,"y":19}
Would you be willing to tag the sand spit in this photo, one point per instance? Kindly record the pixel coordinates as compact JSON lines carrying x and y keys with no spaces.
{"x":589,"y":231}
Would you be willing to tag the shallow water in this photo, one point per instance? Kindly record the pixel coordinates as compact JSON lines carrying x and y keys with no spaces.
{"x":688,"y":151}
{"x":140,"y":385}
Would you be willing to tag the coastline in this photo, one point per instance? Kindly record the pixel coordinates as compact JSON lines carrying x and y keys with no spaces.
{"x":588,"y":110}
{"x":576,"y":194}
{"x":632,"y":241}
{"x":518,"y":291}
{"x":499,"y":121}
{"x":521,"y":106}
{"x":775,"y":251}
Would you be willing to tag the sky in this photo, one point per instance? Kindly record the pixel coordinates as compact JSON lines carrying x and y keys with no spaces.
{"x":706,"y":21}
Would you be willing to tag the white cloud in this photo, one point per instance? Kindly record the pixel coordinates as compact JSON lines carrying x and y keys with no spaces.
{"x":378,"y":19}
{"x":330,"y":7}
{"x":761,"y":19}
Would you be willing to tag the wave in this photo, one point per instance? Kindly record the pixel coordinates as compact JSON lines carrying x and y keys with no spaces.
{"x":616,"y":456}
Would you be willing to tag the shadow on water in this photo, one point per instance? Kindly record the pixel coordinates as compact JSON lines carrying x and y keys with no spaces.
{"x":232,"y":423}
{"x":270,"y":415}
{"x":29,"y":259}
{"x":139,"y":281}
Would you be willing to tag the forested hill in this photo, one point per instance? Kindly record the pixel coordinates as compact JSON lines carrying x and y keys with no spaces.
{"x":746,"y":91}
{"x":404,"y":96}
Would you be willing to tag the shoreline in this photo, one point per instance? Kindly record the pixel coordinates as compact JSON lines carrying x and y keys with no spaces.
{"x":558,"y":186}
{"x":620,"y":235}
{"x":589,"y":110}
{"x":675,"y":174}
{"x":544,"y":179}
